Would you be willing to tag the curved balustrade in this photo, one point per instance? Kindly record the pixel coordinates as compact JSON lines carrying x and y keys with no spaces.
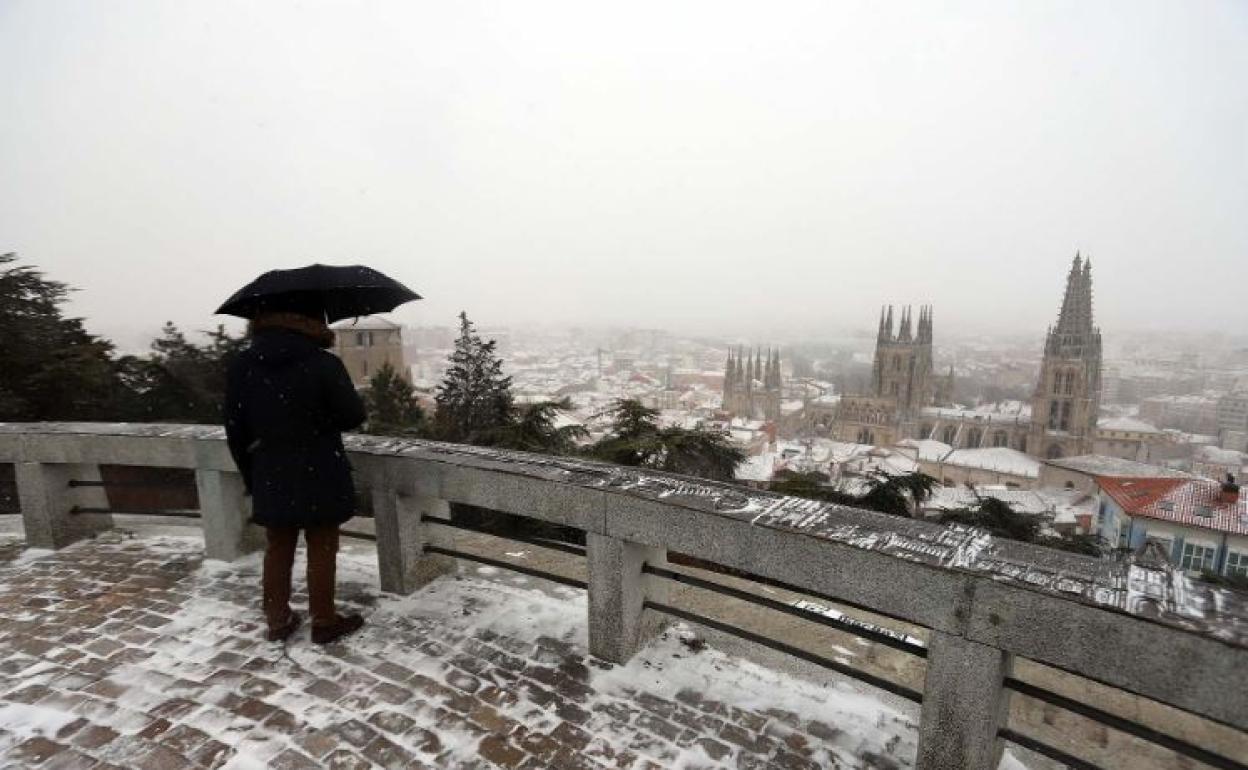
{"x":986,"y":603}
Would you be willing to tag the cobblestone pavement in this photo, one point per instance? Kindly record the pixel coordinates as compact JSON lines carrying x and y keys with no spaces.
{"x":136,"y":653}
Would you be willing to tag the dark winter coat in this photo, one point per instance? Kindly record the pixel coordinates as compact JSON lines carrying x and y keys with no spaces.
{"x":287,"y":403}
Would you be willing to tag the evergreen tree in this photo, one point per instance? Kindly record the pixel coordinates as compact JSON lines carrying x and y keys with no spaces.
{"x":392,"y":406}
{"x":474,"y":400}
{"x":534,"y":430}
{"x":636,"y":439}
{"x":894,"y":495}
{"x":53,"y":368}
{"x":181,"y":381}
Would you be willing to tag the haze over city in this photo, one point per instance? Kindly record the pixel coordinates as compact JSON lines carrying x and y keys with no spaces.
{"x":703,"y":167}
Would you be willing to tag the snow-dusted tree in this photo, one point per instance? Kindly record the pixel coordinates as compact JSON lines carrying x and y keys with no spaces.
{"x":392,"y":406}
{"x":474,"y":400}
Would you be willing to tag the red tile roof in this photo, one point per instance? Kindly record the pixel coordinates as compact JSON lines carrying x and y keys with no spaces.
{"x":1133,"y":494}
{"x":1190,"y":502}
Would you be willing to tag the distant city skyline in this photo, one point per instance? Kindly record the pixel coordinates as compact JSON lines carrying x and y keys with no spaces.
{"x":713,"y":168}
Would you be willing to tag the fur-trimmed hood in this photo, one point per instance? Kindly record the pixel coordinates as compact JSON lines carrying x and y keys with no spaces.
{"x":309,"y":327}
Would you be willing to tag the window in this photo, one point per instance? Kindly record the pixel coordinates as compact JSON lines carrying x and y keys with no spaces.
{"x":1197,"y":557}
{"x":974,"y":438}
{"x":1000,"y":439}
{"x":365,"y":362}
{"x":1069,"y":388}
{"x":1237,"y":564}
{"x":951,"y":433}
{"x":1065,"y":423}
{"x":1054,"y":408}
{"x":1166,"y":505}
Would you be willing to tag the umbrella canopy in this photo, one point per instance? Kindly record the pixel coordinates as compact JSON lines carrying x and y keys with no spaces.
{"x":332,"y":291}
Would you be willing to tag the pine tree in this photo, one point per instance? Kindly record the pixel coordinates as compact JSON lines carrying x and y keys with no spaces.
{"x":474,"y":400}
{"x":53,"y":369}
{"x":392,"y":406}
{"x":636,"y":439}
{"x":181,"y":380}
{"x":534,"y":430}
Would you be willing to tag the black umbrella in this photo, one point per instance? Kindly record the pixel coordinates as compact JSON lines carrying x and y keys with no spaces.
{"x":334,"y":291}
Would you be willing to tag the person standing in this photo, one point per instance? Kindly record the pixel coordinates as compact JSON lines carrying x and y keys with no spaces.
{"x":288,"y":400}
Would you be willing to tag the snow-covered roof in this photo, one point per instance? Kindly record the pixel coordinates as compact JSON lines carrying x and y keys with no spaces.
{"x":760,"y":467}
{"x":1126,"y":424}
{"x":1000,"y":459}
{"x":1101,"y":465}
{"x":366,"y":323}
{"x":928,"y":450}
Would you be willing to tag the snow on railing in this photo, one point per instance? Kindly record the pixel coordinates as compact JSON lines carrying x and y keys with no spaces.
{"x":984,"y":603}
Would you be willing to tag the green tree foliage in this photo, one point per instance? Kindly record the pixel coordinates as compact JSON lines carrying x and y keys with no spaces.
{"x":474,"y":400}
{"x":53,"y":369}
{"x":998,"y":518}
{"x":392,"y":406}
{"x":894,"y":495}
{"x":534,"y":430}
{"x":180,"y":381}
{"x":636,"y":439}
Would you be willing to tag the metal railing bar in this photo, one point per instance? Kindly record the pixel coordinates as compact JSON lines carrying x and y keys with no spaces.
{"x":358,"y":535}
{"x":551,"y":544}
{"x":1045,"y":749}
{"x":1122,"y":724}
{"x":825,"y":597}
{"x":797,"y":612}
{"x":134,"y":484}
{"x":788,"y":649}
{"x":530,"y":571}
{"x":170,"y":513}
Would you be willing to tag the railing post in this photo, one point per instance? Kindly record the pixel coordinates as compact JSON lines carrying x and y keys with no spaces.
{"x":48,"y":500}
{"x":402,"y":563}
{"x":964,"y":704}
{"x":617,"y":591}
{"x":225,"y":515}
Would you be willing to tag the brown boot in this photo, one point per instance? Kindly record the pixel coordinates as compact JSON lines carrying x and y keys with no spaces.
{"x":342,"y":626}
{"x":284,"y":632}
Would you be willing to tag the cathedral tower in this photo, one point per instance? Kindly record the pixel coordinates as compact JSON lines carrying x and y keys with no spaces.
{"x":753,"y":386}
{"x":903,"y":361}
{"x":1067,"y":399}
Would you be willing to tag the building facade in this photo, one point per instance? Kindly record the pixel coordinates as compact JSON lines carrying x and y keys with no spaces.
{"x":366,"y":345}
{"x":753,"y":386}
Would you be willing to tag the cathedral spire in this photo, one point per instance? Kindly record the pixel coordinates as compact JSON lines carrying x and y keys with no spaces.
{"x":903,"y":334}
{"x":1075,"y":316}
{"x":888,"y":325}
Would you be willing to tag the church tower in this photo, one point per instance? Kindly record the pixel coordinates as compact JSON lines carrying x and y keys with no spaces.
{"x":903,"y":362}
{"x":753,"y":386}
{"x":1067,"y":399}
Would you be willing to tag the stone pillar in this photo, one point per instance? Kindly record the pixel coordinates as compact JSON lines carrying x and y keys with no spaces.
{"x":964,"y":703}
{"x":402,"y":563}
{"x":48,"y":500}
{"x":617,"y":590}
{"x":226,"y":516}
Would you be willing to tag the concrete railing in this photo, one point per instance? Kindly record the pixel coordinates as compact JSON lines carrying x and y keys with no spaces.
{"x":986,"y":602}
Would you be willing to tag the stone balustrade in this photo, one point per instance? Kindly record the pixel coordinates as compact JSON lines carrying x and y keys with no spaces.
{"x":1152,"y":633}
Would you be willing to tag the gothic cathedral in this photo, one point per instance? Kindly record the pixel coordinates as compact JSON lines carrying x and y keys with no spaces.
{"x":907,"y":399}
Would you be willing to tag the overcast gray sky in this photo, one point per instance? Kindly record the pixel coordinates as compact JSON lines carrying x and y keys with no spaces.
{"x":742,"y":167}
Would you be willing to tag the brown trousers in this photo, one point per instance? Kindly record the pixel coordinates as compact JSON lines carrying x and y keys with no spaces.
{"x":279,"y":558}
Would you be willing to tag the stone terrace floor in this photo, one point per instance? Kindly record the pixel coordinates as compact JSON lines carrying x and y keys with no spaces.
{"x":135,"y":652}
